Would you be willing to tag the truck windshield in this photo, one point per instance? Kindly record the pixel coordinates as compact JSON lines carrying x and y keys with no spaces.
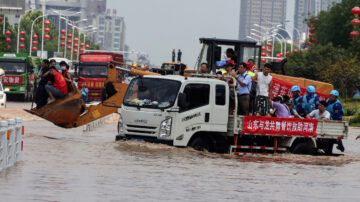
{"x":13,"y":67}
{"x":152,"y":93}
{"x":94,"y":71}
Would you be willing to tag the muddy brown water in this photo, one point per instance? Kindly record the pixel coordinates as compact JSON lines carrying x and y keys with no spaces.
{"x":69,"y":165}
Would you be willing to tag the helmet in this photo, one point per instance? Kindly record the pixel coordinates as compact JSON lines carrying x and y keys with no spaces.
{"x":84,"y":85}
{"x":334,"y":92}
{"x":295,"y":88}
{"x":310,"y":89}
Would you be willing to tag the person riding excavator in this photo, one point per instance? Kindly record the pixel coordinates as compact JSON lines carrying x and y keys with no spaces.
{"x":57,"y":87}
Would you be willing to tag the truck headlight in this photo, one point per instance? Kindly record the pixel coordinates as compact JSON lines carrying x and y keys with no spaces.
{"x":1,"y":96}
{"x":22,"y":88}
{"x":120,"y":125}
{"x":165,"y":127}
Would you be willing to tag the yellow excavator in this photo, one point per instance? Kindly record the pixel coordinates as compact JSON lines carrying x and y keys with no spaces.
{"x":71,"y":111}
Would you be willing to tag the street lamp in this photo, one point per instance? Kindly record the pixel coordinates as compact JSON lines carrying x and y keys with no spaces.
{"x":291,"y":38}
{"x":18,"y":35}
{"x":31,"y":33}
{"x":72,"y":42}
{"x":60,"y":17}
{"x":79,"y":36}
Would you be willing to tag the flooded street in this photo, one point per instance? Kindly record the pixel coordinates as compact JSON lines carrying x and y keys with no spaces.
{"x":70,"y":165}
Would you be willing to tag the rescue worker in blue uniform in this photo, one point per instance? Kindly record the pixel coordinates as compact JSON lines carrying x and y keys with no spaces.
{"x":336,"y":111}
{"x":297,"y":100}
{"x":310,"y":100}
{"x":334,"y":106}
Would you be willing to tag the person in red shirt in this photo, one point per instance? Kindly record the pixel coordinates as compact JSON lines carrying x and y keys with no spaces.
{"x":58,"y":88}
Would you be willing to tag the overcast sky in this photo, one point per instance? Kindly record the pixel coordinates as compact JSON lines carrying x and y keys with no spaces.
{"x":158,"y":26}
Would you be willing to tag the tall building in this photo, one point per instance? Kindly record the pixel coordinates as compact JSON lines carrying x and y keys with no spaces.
{"x":304,"y":9}
{"x":111,"y":31}
{"x":74,"y":9}
{"x":264,"y":13}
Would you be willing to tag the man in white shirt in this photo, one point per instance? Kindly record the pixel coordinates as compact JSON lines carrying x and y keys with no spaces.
{"x":320,"y":113}
{"x":263,"y":82}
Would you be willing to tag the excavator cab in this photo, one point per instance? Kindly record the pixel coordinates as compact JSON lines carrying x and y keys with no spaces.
{"x":214,"y":50}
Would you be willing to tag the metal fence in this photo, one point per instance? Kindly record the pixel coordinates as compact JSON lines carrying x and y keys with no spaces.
{"x":11,"y":142}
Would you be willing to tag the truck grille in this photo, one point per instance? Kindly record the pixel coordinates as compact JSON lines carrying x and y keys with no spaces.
{"x":94,"y":94}
{"x":141,"y":130}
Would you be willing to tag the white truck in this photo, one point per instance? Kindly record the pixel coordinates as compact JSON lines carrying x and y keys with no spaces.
{"x":194,"y":111}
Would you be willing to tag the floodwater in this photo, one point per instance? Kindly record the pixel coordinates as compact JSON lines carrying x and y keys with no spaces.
{"x":70,"y":165}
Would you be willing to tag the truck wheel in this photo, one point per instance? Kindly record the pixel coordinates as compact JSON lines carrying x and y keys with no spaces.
{"x":200,"y":144}
{"x":303,"y":148}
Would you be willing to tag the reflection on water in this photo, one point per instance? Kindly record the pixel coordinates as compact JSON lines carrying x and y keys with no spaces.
{"x":66,"y":165}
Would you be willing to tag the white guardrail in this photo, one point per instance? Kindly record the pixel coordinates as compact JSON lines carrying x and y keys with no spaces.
{"x":93,"y":125}
{"x":11,"y":142}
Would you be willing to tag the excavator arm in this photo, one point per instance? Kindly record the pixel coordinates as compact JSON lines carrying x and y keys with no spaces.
{"x":71,"y":111}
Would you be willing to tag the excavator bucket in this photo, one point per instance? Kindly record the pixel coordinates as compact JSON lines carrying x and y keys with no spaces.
{"x":71,"y":111}
{"x":63,"y":112}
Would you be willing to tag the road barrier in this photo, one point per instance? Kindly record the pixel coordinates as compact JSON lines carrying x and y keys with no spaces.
{"x":11,"y":143}
{"x":93,"y":125}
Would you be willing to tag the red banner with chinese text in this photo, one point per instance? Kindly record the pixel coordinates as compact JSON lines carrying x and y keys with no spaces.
{"x":12,"y":80}
{"x":280,"y":126}
{"x":280,"y":87}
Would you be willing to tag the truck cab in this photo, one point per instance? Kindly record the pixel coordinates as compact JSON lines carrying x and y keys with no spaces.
{"x":20,"y":71}
{"x":173,"y":109}
{"x":92,"y":71}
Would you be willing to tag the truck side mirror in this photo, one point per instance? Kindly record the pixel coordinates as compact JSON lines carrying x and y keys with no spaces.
{"x":182,"y":101}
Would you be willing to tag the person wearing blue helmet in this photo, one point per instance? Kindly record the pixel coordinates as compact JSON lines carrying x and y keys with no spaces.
{"x":334,"y":106}
{"x":297,"y":100}
{"x":336,"y":111}
{"x":311,"y":100}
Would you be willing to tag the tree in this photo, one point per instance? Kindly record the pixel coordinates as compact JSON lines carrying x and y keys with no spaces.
{"x":50,"y":45}
{"x":334,"y":26}
{"x":344,"y":74}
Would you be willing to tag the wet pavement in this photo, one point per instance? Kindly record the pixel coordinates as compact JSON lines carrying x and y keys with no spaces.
{"x":70,"y":165}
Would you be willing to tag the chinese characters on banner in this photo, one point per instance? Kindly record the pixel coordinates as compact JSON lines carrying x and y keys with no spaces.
{"x":280,"y":126}
{"x":12,"y":80}
{"x":280,"y":87}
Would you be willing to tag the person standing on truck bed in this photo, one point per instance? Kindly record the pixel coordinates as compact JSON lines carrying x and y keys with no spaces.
{"x":336,"y":112}
{"x":310,"y":100}
{"x":58,"y":88}
{"x":243,"y":83}
{"x":252,"y":67}
{"x":320,"y":113}
{"x":228,"y":72}
{"x":41,"y":95}
{"x":204,"y":69}
{"x":297,"y":100}
{"x":263,"y":82}
{"x":230,"y":53}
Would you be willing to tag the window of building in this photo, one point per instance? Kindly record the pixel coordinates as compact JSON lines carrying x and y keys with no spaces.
{"x":117,"y":22}
{"x":101,"y":21}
